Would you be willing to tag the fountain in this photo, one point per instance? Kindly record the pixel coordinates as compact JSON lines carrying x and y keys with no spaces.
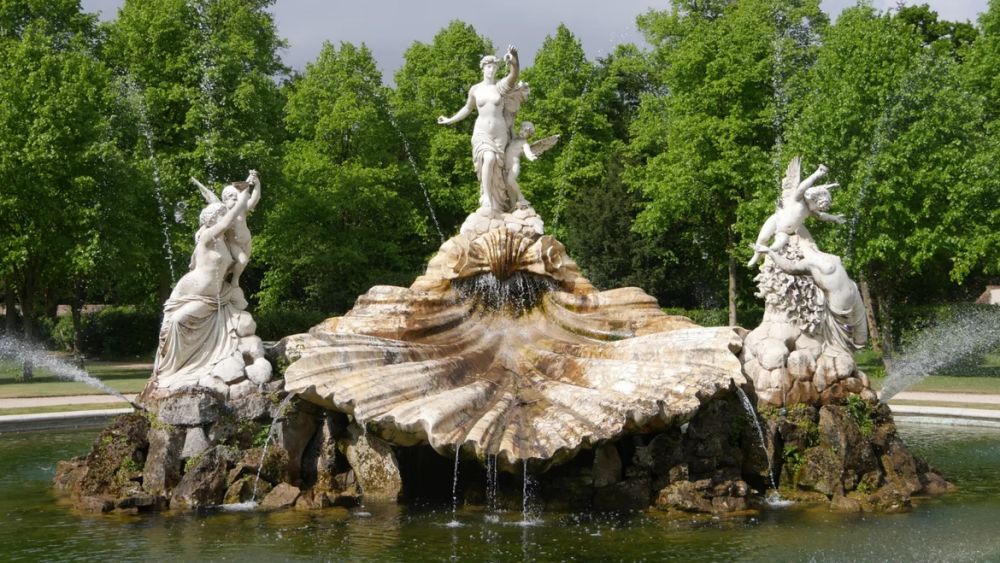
{"x":504,"y":354}
{"x":826,"y":428}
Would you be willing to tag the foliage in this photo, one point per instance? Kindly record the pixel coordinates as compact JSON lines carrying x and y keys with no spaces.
{"x":343,"y":224}
{"x":793,"y":459}
{"x":717,"y":117}
{"x":860,"y":411}
{"x":275,"y":324}
{"x":113,"y":332}
{"x":57,"y":161}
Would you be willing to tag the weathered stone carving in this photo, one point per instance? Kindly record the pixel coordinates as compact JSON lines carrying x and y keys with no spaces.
{"x":814,"y":317}
{"x":466,"y":357}
{"x":207,"y":337}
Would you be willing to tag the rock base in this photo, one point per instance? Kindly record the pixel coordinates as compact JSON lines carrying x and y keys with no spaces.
{"x":848,"y":455}
{"x":194,"y":450}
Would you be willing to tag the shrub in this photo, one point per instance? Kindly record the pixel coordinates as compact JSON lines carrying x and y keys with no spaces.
{"x":113,"y":332}
{"x":275,"y":324}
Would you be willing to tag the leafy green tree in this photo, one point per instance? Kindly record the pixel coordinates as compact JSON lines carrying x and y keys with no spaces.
{"x":980,"y":245}
{"x":718,"y":114}
{"x":203,"y":76}
{"x":55,"y":152}
{"x":342,"y":224}
{"x":891,"y":118}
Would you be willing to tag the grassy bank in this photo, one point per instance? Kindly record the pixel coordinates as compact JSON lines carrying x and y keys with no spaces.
{"x":124,"y":377}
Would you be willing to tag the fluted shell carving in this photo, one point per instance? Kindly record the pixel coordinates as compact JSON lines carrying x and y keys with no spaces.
{"x":422,"y":365}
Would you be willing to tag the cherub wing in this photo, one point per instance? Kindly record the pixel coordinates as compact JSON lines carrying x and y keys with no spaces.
{"x":793,"y":175}
{"x":542,"y":145}
{"x":206,"y":193}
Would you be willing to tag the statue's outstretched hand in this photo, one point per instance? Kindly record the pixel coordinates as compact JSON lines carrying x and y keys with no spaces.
{"x":511,"y":54}
{"x":442,"y":120}
{"x":838,"y":218}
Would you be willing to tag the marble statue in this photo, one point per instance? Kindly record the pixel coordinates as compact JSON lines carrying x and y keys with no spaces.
{"x":496,"y":103}
{"x":238,"y":237}
{"x":799,"y":201}
{"x":512,"y":160}
{"x":814,"y":317}
{"x":207,"y":338}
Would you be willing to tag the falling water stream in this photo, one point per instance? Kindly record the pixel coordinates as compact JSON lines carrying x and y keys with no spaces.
{"x":134,"y":93}
{"x":774,"y":498}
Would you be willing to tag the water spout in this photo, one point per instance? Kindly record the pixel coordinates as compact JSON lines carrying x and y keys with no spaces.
{"x":19,"y":351}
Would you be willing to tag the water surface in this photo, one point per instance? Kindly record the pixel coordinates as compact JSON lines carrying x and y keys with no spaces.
{"x":964,"y":526}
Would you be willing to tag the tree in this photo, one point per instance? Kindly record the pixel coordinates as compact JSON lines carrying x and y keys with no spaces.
{"x":718,"y":113}
{"x":55,"y":152}
{"x":203,"y":76}
{"x":342,"y":225}
{"x":980,"y":247}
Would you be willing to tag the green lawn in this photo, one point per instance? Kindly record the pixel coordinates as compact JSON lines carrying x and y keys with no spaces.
{"x":986,"y":377}
{"x":124,"y":377}
{"x":64,"y":408}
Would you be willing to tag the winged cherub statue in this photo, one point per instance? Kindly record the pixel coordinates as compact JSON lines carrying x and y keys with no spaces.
{"x":237,"y":236}
{"x":799,"y":200}
{"x":512,"y":159}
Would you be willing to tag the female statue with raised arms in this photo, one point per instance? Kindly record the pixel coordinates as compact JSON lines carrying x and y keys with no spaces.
{"x":492,"y":130}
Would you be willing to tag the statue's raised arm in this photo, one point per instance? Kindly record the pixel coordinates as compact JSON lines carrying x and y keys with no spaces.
{"x":513,"y":67}
{"x":493,"y":130}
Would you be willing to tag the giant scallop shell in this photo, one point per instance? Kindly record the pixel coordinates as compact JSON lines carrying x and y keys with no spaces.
{"x":578,"y":366}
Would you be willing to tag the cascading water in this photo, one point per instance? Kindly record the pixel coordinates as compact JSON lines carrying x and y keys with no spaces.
{"x":972,"y":332}
{"x":774,"y":499}
{"x":516,"y":294}
{"x":454,"y":493}
{"x":18,"y":351}
{"x":267,"y":442}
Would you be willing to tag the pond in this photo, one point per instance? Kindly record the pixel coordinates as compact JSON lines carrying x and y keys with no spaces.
{"x":962,"y":526}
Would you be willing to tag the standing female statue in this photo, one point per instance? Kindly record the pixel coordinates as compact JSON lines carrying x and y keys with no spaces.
{"x":496,"y":103}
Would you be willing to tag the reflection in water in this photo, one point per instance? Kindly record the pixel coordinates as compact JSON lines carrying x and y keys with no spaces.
{"x":961,"y":526}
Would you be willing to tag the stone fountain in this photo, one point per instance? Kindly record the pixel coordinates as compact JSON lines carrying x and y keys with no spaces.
{"x":501,"y":354}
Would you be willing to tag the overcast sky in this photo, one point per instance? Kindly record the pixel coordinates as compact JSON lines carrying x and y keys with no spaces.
{"x":388,"y":27}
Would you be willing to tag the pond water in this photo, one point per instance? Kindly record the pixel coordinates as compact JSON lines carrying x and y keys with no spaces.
{"x":963,"y":526}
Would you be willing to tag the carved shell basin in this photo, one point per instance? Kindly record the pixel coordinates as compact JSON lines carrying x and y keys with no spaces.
{"x":425,"y":365}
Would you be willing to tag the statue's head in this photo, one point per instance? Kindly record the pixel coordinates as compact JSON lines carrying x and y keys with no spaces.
{"x":489,"y":64}
{"x":212,"y":213}
{"x":527,"y":129}
{"x":818,"y":198}
{"x":231,"y":192}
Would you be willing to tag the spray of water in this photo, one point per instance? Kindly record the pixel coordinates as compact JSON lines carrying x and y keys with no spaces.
{"x":206,"y":85}
{"x":18,"y":351}
{"x":972,"y":332}
{"x":379,"y":98}
{"x":134,"y":93}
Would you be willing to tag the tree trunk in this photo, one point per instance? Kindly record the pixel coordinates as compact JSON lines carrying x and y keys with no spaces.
{"x":732,"y":290}
{"x":874,"y":336}
{"x":27,"y":325}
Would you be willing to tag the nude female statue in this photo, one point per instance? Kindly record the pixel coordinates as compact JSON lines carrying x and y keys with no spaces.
{"x":846,"y":323}
{"x":492,"y":130}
